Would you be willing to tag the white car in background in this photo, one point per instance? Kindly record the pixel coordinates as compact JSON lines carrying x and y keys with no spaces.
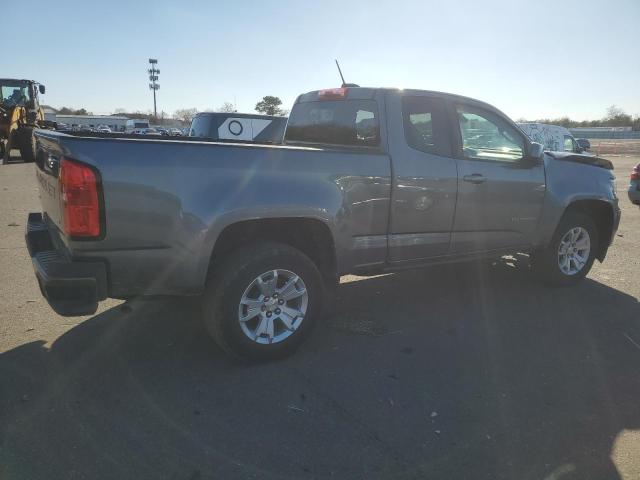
{"x":135,"y":124}
{"x":554,"y":137}
{"x":103,"y":129}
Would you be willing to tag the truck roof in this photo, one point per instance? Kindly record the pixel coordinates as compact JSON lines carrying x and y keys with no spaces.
{"x":364,"y":93}
{"x":17,"y":80}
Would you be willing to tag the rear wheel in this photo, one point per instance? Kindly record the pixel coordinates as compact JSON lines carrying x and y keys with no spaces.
{"x":571,"y":252}
{"x":27,"y":143}
{"x":262,"y":302}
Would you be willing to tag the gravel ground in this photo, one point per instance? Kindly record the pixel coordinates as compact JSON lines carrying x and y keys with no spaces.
{"x":466,"y":371}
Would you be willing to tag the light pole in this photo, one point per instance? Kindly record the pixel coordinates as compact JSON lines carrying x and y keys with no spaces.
{"x":154,"y":71}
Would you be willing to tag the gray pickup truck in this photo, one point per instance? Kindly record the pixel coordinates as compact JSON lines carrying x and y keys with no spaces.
{"x":368,"y":180}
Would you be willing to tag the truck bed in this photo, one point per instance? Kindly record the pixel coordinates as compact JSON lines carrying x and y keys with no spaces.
{"x":166,"y":200}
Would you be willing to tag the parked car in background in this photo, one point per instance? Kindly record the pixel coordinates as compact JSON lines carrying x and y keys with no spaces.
{"x":103,"y":129}
{"x":584,"y":143}
{"x":554,"y":138}
{"x":634,"y":185}
{"x":161,"y":130}
{"x":238,"y":126}
{"x":145,"y":131}
{"x":176,"y":132}
{"x":63,"y":127}
{"x":368,"y":181}
{"x":135,"y":124}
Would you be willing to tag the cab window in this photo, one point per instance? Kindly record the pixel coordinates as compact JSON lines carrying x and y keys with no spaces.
{"x":487,"y":136}
{"x":352,"y":123}
{"x":425,"y":125}
{"x":569,"y":144}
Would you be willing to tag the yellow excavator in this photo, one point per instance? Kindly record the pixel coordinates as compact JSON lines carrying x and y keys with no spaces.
{"x":20,"y":115}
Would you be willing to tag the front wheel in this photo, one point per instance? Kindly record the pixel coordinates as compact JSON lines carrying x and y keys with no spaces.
{"x":262,"y":301}
{"x":27,"y":145}
{"x":571,"y":252}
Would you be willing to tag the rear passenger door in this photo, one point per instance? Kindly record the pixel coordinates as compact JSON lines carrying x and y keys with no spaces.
{"x":424,"y":176}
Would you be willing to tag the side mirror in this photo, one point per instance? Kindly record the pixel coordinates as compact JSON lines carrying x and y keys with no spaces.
{"x":584,"y":143}
{"x":535,"y":151}
{"x":41,"y":88}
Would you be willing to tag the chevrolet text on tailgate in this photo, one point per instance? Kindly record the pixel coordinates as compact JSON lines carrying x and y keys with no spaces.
{"x":367,"y":181}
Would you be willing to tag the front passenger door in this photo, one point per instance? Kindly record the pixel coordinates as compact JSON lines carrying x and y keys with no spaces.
{"x":500,"y":192}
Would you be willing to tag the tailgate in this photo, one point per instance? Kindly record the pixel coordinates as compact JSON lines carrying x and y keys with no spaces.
{"x":47,"y":169}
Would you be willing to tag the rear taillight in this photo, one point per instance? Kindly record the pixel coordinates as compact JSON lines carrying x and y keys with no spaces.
{"x":635,"y":173}
{"x":80,"y":201}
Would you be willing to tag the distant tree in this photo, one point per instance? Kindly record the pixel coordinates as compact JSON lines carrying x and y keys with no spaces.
{"x":614,"y":111}
{"x":564,"y":122}
{"x":119,"y":111}
{"x":226,"y":107}
{"x":185,"y":115}
{"x":71,"y":111}
{"x":616,"y":117}
{"x":269,"y":105}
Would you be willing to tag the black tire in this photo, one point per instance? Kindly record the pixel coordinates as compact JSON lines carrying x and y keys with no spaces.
{"x":27,"y":143}
{"x":227,"y":283}
{"x":545,"y":263}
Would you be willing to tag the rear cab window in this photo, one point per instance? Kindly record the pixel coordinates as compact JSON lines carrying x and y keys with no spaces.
{"x":425,"y":125}
{"x":340,"y":122}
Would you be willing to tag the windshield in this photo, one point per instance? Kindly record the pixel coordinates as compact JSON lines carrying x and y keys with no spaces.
{"x":14,"y":93}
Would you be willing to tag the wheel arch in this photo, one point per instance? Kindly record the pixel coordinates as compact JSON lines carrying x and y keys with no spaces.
{"x":602,"y":214}
{"x":312,"y":236}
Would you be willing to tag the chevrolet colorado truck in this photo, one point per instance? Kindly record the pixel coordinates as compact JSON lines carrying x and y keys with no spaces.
{"x":368,"y":180}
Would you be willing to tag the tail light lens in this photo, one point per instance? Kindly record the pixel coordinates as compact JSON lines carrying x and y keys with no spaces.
{"x":333,"y":94}
{"x":635,"y":173}
{"x":79,"y":199}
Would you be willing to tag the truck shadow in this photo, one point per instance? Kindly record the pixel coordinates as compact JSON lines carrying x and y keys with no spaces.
{"x":453,"y":372}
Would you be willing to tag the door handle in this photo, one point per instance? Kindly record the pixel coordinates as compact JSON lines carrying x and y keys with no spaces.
{"x":475,"y":178}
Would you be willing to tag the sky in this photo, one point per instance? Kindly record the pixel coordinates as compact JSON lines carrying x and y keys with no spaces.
{"x":531,"y":59}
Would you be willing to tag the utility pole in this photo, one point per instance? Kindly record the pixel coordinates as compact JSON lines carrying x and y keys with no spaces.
{"x":154,"y":71}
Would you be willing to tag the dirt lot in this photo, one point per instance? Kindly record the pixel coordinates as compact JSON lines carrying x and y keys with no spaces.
{"x":622,"y":147}
{"x":459,"y":372}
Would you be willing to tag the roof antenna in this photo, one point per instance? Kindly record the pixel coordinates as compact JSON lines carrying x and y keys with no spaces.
{"x":344,"y":84}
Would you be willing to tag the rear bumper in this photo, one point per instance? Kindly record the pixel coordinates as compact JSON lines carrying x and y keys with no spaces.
{"x":70,"y":286}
